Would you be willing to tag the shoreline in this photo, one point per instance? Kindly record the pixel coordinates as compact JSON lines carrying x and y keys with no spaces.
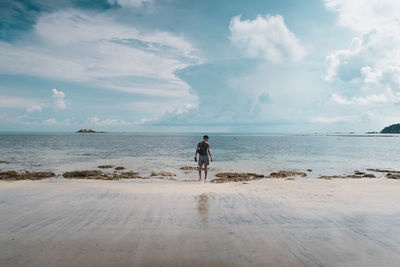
{"x":111,"y":172}
{"x":301,"y":222}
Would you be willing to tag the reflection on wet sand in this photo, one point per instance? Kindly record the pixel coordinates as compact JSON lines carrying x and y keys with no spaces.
{"x":268,"y":222}
{"x":203,"y":206}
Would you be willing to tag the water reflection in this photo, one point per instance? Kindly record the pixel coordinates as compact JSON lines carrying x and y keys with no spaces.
{"x":203,"y":206}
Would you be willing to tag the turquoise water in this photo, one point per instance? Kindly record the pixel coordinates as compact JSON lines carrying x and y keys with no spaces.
{"x":145,"y":153}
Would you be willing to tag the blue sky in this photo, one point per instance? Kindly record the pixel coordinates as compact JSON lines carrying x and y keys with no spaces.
{"x":199,"y":66}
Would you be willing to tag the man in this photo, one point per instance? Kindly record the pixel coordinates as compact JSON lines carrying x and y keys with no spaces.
{"x":203,"y":148}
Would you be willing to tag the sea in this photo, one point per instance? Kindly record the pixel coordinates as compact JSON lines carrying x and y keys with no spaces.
{"x":314,"y":154}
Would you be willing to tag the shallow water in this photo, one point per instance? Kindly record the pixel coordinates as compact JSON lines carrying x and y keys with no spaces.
{"x":145,"y":153}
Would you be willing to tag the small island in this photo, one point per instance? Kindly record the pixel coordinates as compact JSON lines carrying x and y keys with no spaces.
{"x":86,"y":131}
{"x":392,"y":129}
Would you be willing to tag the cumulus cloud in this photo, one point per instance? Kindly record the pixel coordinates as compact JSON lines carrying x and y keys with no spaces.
{"x":369,"y":68}
{"x":363,"y":16}
{"x":339,"y":57}
{"x":267,"y":37}
{"x":373,"y":56}
{"x":59,"y":98}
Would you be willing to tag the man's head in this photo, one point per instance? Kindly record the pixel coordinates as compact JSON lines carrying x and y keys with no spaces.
{"x":205,"y":138}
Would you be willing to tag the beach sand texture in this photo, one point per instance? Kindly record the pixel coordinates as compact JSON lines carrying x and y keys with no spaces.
{"x":272,"y":222}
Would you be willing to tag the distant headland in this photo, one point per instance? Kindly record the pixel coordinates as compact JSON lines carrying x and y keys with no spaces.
{"x":88,"y":131}
{"x":392,"y":129}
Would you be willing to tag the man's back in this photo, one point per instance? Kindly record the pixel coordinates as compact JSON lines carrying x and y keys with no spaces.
{"x":203,"y":148}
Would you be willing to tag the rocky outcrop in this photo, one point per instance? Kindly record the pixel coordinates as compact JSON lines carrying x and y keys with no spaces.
{"x":224,"y":177}
{"x":162,"y":174}
{"x":286,"y":174}
{"x":82,"y":174}
{"x":86,"y":131}
{"x":357,"y":175}
{"x":106,"y":166}
{"x":128,"y":175}
{"x":98,"y":175}
{"x":13,"y":175}
{"x":119,"y":168}
{"x":393,"y":176}
{"x":382,"y":170}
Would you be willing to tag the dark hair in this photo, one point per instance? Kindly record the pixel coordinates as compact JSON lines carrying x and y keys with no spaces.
{"x":206,"y":136}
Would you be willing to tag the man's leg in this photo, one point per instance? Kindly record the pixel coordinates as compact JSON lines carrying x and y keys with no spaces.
{"x":205,"y":172}
{"x":200,"y":173}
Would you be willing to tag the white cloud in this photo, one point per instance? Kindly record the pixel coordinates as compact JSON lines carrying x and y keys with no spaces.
{"x":50,"y":121}
{"x":333,"y":119}
{"x":370,"y":66}
{"x":17,"y":102}
{"x":34,"y":108}
{"x":267,"y":37}
{"x":94,"y":49}
{"x":6,"y":118}
{"x":53,"y":121}
{"x":130,"y":3}
{"x":105,"y":122}
{"x":364,"y":16}
{"x":339,"y":57}
{"x":341,"y":100}
{"x":145,"y":121}
{"x":374,"y":55}
{"x":59,"y":98}
{"x":367,"y":100}
{"x":369,"y":75}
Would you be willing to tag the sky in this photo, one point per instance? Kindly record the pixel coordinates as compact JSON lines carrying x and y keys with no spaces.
{"x":268,"y":66}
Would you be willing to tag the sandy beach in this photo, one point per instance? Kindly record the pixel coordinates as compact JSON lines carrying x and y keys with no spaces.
{"x":271,"y":222}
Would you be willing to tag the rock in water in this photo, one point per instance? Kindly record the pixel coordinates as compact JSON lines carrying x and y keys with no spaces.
{"x":119,"y":168}
{"x":86,"y":131}
{"x":106,"y":166}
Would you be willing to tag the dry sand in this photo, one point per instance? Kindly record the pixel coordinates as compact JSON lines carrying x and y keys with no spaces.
{"x":271,"y":222}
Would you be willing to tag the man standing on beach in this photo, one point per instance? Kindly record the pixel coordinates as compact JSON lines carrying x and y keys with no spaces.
{"x":203,"y":148}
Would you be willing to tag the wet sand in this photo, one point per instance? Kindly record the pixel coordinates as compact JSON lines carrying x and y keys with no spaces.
{"x":271,"y":222}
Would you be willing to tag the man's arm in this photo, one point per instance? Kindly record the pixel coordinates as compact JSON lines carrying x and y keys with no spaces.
{"x":195,"y":153}
{"x":209,"y":153}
